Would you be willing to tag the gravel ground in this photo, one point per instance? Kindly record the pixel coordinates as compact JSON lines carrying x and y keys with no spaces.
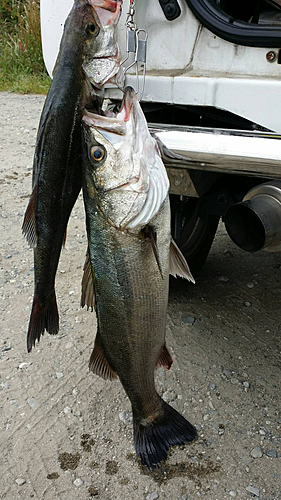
{"x":66,"y":434}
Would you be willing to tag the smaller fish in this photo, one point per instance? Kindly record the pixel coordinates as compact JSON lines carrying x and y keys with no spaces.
{"x":57,"y":171}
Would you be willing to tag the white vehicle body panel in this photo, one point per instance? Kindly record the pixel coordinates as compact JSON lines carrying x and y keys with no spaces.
{"x":187,"y":64}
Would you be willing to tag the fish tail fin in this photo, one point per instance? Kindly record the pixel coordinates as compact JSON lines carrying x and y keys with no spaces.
{"x":41,"y":318}
{"x":153,"y":440}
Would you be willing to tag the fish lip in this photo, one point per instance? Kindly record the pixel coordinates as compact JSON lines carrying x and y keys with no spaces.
{"x":89,"y":119}
{"x":127,"y":102}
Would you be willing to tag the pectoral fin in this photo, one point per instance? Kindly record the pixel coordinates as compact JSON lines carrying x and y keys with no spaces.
{"x":151,"y":234}
{"x":178,"y":265}
{"x":98,"y":363}
{"x":87,"y":293}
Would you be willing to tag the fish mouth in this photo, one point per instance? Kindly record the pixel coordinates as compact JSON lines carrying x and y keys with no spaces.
{"x":113,"y":122}
{"x":108,"y":10}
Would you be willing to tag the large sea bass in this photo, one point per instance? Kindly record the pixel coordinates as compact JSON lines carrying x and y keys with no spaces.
{"x":57,"y":172}
{"x":125,"y":188}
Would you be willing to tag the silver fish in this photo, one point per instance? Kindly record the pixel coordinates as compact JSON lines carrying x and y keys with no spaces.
{"x":125,"y":188}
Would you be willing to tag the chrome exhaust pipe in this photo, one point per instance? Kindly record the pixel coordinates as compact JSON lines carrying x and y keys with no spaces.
{"x":255,"y":223}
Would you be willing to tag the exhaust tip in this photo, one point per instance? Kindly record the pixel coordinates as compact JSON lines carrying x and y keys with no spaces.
{"x":245,"y":227}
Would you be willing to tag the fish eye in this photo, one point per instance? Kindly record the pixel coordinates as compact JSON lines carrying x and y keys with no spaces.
{"x":93,"y":29}
{"x":97,"y":153}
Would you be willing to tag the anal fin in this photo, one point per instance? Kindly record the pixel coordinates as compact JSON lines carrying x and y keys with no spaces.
{"x":29,"y":221}
{"x":87,"y":293}
{"x":98,"y":363}
{"x":165,"y":358}
{"x":178,"y":265}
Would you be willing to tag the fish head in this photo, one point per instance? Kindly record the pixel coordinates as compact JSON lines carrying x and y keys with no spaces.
{"x":102,"y":56}
{"x":124,"y":169}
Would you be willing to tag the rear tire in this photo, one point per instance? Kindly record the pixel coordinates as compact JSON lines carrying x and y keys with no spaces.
{"x":193,"y":234}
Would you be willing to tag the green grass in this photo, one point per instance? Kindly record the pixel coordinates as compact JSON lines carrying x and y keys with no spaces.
{"x":22,"y":67}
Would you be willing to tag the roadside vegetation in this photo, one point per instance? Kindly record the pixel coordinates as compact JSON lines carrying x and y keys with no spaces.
{"x":21,"y":62}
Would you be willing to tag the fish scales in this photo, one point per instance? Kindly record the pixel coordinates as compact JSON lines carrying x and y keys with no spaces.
{"x":131,"y":303}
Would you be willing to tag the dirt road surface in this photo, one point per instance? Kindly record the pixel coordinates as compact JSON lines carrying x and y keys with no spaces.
{"x":66,"y":434}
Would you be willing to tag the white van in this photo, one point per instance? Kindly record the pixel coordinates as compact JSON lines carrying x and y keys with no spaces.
{"x":212,"y":96}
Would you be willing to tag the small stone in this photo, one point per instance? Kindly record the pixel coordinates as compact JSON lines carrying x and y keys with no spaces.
{"x":20,"y":481}
{"x":256,"y":452}
{"x":212,"y":387}
{"x":224,"y":279}
{"x":188,"y":320}
{"x":67,"y":410}
{"x":21,"y":365}
{"x":126,"y":417}
{"x":169,"y":396}
{"x":77,"y":413}
{"x":271,"y":453}
{"x":262,"y":432}
{"x":53,"y":475}
{"x":246,"y":385}
{"x":250,"y":284}
{"x":5,"y":385}
{"x":185,"y":497}
{"x":211,"y":405}
{"x":232,"y":493}
{"x":93,"y":491}
{"x":78,"y":482}
{"x":6,"y":348}
{"x":278,"y":420}
{"x":253,"y":491}
{"x":247,"y":304}
{"x":32,"y":402}
{"x":152,"y":496}
{"x":59,"y":374}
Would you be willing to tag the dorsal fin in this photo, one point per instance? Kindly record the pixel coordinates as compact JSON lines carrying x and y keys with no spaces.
{"x":178,"y":265}
{"x":150,"y":232}
{"x":87,"y":293}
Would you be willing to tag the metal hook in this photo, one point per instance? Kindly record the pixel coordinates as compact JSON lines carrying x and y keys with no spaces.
{"x":141,"y":58}
{"x":135,"y":44}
